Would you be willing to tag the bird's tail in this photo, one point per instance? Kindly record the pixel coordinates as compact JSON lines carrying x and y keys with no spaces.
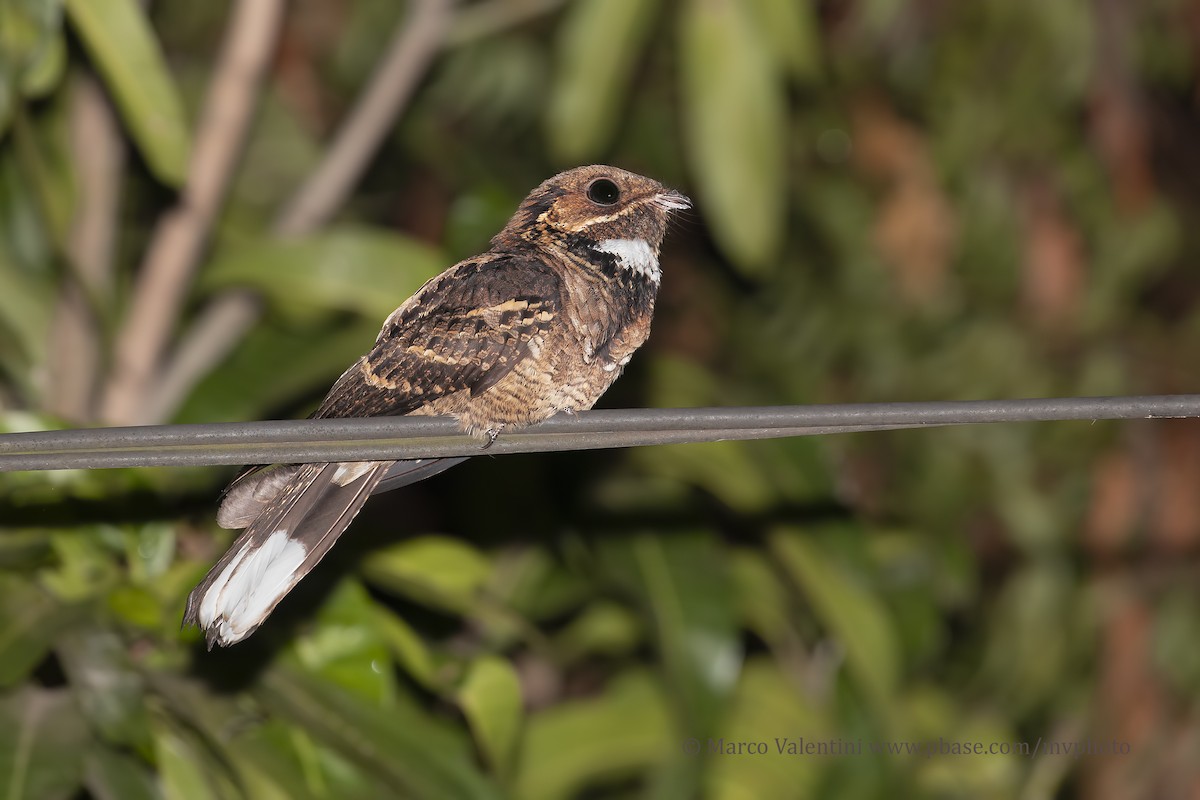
{"x":402,"y":473}
{"x":255,"y":488}
{"x":293,"y":531}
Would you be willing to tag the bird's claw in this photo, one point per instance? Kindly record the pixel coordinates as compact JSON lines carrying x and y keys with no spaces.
{"x":492,"y":433}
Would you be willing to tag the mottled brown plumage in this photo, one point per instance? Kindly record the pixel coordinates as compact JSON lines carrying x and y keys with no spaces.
{"x":542,"y":323}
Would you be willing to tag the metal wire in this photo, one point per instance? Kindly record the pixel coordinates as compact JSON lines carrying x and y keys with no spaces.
{"x":395,"y":438}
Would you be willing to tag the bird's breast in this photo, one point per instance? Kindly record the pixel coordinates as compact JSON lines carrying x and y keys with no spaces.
{"x":598,"y":326}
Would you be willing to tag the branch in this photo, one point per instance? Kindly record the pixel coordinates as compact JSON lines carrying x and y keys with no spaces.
{"x":489,"y":18}
{"x":405,"y":62}
{"x":98,"y":154}
{"x":228,"y":318}
{"x":393,"y":438}
{"x":171,"y":256}
{"x":214,"y":333}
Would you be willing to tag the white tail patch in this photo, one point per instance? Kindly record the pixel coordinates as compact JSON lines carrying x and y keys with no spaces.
{"x":635,"y":255}
{"x":245,"y":592}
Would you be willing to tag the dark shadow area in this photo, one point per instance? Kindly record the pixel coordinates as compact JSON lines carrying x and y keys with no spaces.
{"x":137,"y":506}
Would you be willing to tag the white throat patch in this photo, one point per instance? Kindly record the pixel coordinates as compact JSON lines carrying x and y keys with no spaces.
{"x":635,"y":255}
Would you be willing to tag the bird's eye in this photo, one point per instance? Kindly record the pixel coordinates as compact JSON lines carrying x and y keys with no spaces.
{"x":603,"y":192}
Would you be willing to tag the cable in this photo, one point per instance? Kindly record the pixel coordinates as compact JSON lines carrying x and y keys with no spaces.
{"x":393,"y":438}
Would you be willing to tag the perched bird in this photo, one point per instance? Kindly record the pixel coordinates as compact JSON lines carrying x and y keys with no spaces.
{"x":541,"y":323}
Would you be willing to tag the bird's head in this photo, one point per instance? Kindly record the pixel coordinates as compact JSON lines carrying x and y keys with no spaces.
{"x":599,"y":203}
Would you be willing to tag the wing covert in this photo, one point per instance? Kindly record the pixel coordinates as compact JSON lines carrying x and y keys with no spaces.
{"x":462,"y":331}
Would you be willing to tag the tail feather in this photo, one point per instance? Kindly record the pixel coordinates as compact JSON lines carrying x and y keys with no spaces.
{"x":402,"y":473}
{"x":255,"y":488}
{"x":280,"y":546}
{"x":249,"y":494}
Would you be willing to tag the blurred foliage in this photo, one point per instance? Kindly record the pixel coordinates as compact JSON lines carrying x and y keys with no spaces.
{"x":894,"y":201}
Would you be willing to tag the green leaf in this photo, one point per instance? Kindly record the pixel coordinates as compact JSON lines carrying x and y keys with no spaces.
{"x":300,"y":361}
{"x":490,"y":699}
{"x":604,"y":628}
{"x":150,"y":551}
{"x":258,"y":781}
{"x":25,"y":242}
{"x":734,"y":122}
{"x":85,"y":569}
{"x":854,"y":614}
{"x":726,"y":469}
{"x":406,"y":749}
{"x":597,"y":51}
{"x":1028,"y":654}
{"x":25,"y":307}
{"x":42,"y":743}
{"x":435,"y":569}
{"x":347,"y":648}
{"x":26,"y":260}
{"x":8,"y":102}
{"x":32,"y":52}
{"x":761,"y":598}
{"x":25,"y":637}
{"x":790,"y":30}
{"x":769,"y":707}
{"x":287,"y":760}
{"x":281,"y":150}
{"x":212,"y":730}
{"x":348,"y":268}
{"x":183,"y":771}
{"x":42,"y":144}
{"x":44,"y":75}
{"x":684,"y":581}
{"x":137,"y":606}
{"x":535,"y":585}
{"x":22,"y":550}
{"x":106,"y":687}
{"x":111,"y":775}
{"x":475,"y":216}
{"x":119,"y":38}
{"x":409,"y":649}
{"x":622,"y":732}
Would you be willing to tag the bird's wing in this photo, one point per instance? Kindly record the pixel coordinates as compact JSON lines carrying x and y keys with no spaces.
{"x":462,"y":332}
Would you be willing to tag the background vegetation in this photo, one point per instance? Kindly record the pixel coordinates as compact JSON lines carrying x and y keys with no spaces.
{"x":923,"y":200}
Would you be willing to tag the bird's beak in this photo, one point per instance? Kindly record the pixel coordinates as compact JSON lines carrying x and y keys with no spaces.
{"x":672,"y":200}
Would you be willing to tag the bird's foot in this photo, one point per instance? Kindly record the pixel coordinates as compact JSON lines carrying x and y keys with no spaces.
{"x":492,"y":433}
